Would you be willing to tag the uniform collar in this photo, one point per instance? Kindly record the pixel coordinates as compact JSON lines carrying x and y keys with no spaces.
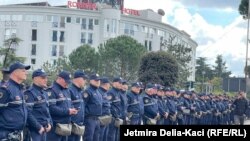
{"x":37,"y":87}
{"x":93,"y":87}
{"x":15,"y":83}
{"x":58,"y":85}
{"x":102,"y":89}
{"x":76,"y":87}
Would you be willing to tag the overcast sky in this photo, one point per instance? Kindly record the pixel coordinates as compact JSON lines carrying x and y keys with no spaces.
{"x":215,"y":25}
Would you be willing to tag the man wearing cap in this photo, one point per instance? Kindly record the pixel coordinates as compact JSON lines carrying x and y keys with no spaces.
{"x":151,"y":110}
{"x":60,"y":105}
{"x":104,"y":87}
{"x":124,"y":103}
{"x":76,"y":91}
{"x":93,"y":109}
{"x":116,"y":108}
{"x":13,"y":110}
{"x":39,"y":119}
{"x":135,"y":110}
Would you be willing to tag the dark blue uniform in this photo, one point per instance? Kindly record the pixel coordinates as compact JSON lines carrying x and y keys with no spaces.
{"x":60,"y":102}
{"x":105,"y":111}
{"x":135,"y":109}
{"x":116,"y":111}
{"x":38,"y":108}
{"x":93,"y":109}
{"x":150,"y":107}
{"x":78,"y":103}
{"x":13,"y":110}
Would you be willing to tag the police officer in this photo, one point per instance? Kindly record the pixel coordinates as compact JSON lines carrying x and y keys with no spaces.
{"x":76,"y":91}
{"x":60,"y":105}
{"x":135,"y":112}
{"x":104,"y":87}
{"x":116,"y":109}
{"x":151,"y":109}
{"x":124,"y":103}
{"x":39,"y":119}
{"x":13,"y":110}
{"x":93,"y":109}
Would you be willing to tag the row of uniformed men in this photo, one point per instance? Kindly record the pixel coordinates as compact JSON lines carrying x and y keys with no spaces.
{"x":62,"y":103}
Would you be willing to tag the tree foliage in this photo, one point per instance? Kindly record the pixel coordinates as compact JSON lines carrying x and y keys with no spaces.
{"x":243,"y":8}
{"x":120,"y":56}
{"x":159,"y":67}
{"x":182,"y":54}
{"x":220,"y":69}
{"x":9,"y":51}
{"x":84,"y":57}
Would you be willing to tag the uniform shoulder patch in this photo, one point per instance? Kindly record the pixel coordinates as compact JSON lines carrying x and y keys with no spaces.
{"x":26,"y":97}
{"x":1,"y":95}
{"x":49,"y":93}
{"x":109,"y":97}
{"x":85,"y":94}
{"x":146,"y":100}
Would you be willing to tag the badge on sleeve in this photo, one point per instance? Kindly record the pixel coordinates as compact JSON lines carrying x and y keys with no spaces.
{"x":85,"y":95}
{"x":26,"y":97}
{"x":109,"y":97}
{"x":146,"y":101}
{"x":1,"y":94}
{"x":49,"y":94}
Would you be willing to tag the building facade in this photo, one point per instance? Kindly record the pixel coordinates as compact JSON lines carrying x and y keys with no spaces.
{"x":50,"y":32}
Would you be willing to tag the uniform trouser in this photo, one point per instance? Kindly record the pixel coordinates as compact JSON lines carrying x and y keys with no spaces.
{"x":103,"y":136}
{"x":113,"y":134}
{"x":52,"y":136}
{"x":135,"y":120}
{"x":35,"y":136}
{"x":74,"y":137}
{"x":4,"y":134}
{"x":92,"y":129}
{"x":238,"y":120}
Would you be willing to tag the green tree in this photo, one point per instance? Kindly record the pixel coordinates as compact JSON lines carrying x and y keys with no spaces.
{"x":84,"y":57}
{"x":159,"y":67}
{"x":203,"y":73}
{"x":243,"y":8}
{"x":52,"y":70}
{"x":182,"y":54}
{"x":121,"y":56}
{"x":9,"y":51}
{"x":220,"y":69}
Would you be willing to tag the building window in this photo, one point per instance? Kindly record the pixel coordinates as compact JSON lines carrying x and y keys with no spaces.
{"x":54,"y":50}
{"x":61,"y":50}
{"x":96,"y":22}
{"x":150,"y":46}
{"x":62,"y":22}
{"x":62,"y":36}
{"x":83,"y":37}
{"x":9,"y":33}
{"x":33,"y":61}
{"x":146,"y":44}
{"x":54,"y":36}
{"x":78,"y":20}
{"x":84,"y":23}
{"x":113,"y":26}
{"x":90,"y":38}
{"x":68,"y":19}
{"x":90,"y":24}
{"x":33,"y":49}
{"x":4,"y":17}
{"x":34,"y":35}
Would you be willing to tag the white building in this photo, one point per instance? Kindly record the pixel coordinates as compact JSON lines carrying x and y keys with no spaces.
{"x":50,"y":32}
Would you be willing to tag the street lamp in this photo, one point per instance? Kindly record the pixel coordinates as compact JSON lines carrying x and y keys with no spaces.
{"x":203,"y":77}
{"x":247,"y":42}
